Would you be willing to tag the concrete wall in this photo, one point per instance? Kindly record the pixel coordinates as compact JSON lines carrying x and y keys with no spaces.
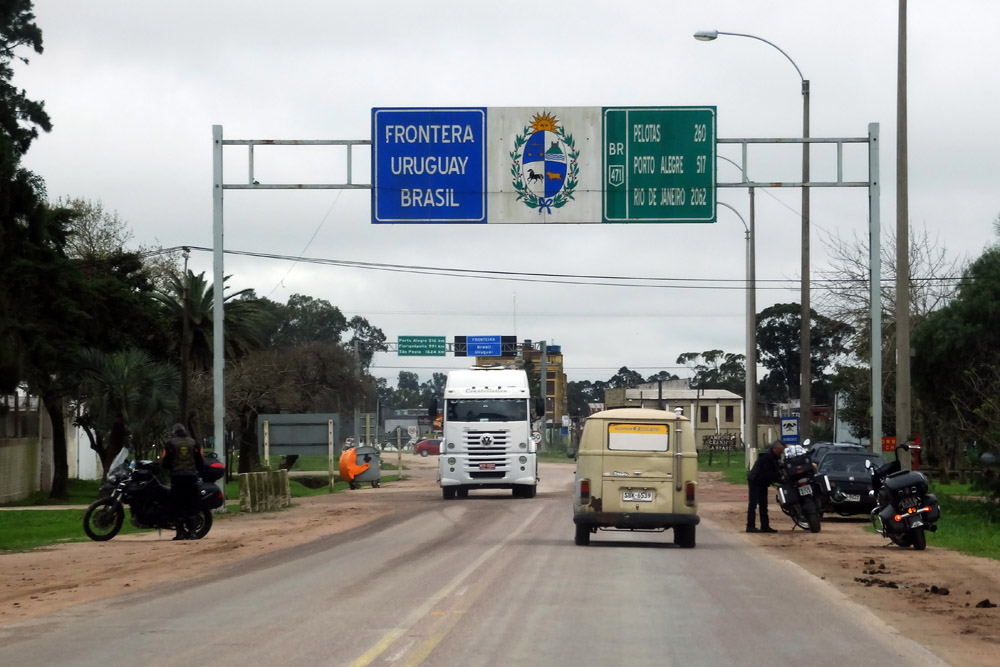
{"x":20,"y":468}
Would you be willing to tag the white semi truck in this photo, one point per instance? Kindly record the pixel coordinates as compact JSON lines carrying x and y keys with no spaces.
{"x":486,"y":441}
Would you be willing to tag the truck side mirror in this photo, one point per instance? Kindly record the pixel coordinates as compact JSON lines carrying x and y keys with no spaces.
{"x":432,"y":409}
{"x":539,"y":407}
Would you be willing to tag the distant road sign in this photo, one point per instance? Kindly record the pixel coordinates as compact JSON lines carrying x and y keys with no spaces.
{"x":429,"y":165}
{"x":421,"y":346}
{"x":536,"y":437}
{"x":659,"y":164}
{"x":790,"y":430}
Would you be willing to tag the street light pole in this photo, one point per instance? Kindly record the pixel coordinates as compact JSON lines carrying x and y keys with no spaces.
{"x":750,"y":374}
{"x":805,"y":360}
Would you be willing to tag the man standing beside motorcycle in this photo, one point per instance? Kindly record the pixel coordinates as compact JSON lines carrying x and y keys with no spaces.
{"x":765,"y":472}
{"x":182,"y":458}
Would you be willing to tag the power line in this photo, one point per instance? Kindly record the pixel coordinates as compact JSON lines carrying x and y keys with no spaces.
{"x":570,"y":279}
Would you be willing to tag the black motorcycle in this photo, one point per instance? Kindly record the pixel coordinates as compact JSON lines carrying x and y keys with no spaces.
{"x":137,"y":484}
{"x":802,"y":491}
{"x":904,"y":509}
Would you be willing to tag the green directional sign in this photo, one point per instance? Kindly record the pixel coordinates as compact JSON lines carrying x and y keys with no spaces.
{"x":421,"y":346}
{"x":659,"y":164}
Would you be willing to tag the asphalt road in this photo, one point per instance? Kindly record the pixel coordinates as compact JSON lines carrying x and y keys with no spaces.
{"x":482,"y":581}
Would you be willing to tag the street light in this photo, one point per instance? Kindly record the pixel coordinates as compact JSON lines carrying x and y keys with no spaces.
{"x":805,"y":391}
{"x":750,"y":388}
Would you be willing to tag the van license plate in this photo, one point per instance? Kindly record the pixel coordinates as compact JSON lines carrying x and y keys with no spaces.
{"x":637,"y":496}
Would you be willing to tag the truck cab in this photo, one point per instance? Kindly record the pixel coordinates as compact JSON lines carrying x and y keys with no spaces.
{"x":486,"y":438}
{"x":637,"y":470}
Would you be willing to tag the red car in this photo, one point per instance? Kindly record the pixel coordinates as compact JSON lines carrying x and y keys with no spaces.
{"x":427,"y":447}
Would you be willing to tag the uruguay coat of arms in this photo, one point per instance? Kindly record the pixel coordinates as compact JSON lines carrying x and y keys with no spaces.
{"x":544,"y":167}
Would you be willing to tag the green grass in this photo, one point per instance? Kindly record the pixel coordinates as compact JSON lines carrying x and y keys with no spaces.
{"x":27,"y":529}
{"x":730,"y":464}
{"x":81,"y":492}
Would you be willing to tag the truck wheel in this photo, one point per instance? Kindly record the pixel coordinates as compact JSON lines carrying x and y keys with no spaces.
{"x":448,"y":492}
{"x":582,"y":536}
{"x":462,"y":493}
{"x":684,"y":536}
{"x":530,"y":491}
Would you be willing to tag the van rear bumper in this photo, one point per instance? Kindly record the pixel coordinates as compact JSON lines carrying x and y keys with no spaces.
{"x":634,"y":520}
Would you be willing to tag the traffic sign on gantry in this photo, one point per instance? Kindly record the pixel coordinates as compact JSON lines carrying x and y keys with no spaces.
{"x":659,"y":164}
{"x":543,"y":165}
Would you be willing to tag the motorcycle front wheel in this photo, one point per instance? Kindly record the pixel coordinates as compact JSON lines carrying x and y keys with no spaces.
{"x":103,"y":519}
{"x":199,"y":524}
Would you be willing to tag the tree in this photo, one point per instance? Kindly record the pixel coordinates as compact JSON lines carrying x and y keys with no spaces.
{"x":778,"y":338}
{"x":189,"y":302}
{"x":717,"y":370}
{"x":955,"y":353}
{"x":21,"y":192}
{"x":624,"y":378}
{"x":307,"y":320}
{"x":124,"y":399}
{"x":307,"y":378}
{"x":846,"y":297}
{"x":369,"y":340}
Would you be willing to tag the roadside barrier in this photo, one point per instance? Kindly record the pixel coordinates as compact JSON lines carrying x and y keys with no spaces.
{"x":263,"y":491}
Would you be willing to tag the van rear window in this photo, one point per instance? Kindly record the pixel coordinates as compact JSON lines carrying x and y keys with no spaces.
{"x":639,"y":437}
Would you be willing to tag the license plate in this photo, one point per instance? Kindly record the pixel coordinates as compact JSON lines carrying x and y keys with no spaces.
{"x":805,"y":490}
{"x":637,"y":496}
{"x":909,"y":502}
{"x":487,"y":466}
{"x":852,"y":497}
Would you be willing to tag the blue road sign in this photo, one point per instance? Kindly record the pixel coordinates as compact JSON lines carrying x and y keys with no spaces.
{"x":429,"y":165}
{"x":790,"y":430}
{"x":483,"y":346}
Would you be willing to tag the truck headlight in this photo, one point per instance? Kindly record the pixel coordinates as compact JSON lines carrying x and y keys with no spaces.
{"x":523,"y":445}
{"x":522,"y":460}
{"x":451,"y":445}
{"x":451,"y":460}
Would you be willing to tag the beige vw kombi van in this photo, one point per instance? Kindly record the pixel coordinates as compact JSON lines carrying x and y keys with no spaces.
{"x":636,"y":469}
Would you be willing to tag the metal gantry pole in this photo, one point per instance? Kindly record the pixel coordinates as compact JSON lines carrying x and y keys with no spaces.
{"x":805,"y":343}
{"x":875,"y":284}
{"x":218,"y":345}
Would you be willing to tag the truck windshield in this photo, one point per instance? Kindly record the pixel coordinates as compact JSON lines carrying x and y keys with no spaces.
{"x":487,"y":410}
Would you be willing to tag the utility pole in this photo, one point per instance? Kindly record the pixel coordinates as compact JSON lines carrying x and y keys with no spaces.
{"x":543,"y":380}
{"x":903,"y":406}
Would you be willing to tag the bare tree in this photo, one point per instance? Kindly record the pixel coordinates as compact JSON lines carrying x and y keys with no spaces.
{"x":846,"y":293}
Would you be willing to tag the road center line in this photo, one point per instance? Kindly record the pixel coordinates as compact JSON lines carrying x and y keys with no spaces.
{"x":420,"y":612}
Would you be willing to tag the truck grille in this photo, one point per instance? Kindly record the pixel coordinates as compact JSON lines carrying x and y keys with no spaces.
{"x":489,"y":448}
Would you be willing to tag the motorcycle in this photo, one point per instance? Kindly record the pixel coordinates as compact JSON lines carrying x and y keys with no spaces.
{"x":802,"y":491}
{"x":137,"y":485}
{"x":903,"y":507}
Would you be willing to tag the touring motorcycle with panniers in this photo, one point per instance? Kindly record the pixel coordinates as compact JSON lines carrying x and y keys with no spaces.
{"x":137,"y":484}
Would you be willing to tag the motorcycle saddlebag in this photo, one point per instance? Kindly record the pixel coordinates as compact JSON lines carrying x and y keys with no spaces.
{"x":213,"y":469}
{"x":209,"y":496}
{"x":904,"y":479}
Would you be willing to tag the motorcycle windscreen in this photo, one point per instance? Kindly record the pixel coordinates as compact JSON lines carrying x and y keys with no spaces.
{"x":638,"y":469}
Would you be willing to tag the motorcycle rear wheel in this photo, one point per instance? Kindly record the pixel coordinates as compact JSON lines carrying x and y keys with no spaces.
{"x":813,"y":520}
{"x":103,"y":519}
{"x":199,"y":524}
{"x":919,"y":539}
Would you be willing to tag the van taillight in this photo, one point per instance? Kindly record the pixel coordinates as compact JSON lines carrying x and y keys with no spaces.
{"x":689,"y":494}
{"x":584,"y":490}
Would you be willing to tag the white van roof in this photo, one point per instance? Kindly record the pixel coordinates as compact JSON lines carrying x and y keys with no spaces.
{"x":637,"y":414}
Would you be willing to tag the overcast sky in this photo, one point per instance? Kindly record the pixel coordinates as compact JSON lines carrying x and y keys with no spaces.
{"x":134,"y":88}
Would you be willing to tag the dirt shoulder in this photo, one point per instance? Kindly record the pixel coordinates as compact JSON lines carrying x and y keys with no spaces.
{"x":928,"y":596}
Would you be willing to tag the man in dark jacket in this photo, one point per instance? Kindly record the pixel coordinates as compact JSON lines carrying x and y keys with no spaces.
{"x":765,"y":472}
{"x":183,"y":460}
